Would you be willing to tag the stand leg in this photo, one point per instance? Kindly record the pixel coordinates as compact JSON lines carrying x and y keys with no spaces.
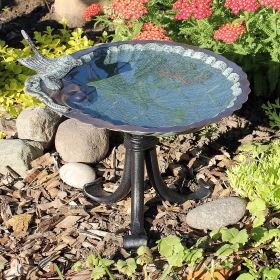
{"x":138,"y":236}
{"x":165,"y":192}
{"x":96,"y":192}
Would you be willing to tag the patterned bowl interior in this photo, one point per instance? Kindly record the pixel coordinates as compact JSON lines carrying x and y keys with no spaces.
{"x":152,"y":85}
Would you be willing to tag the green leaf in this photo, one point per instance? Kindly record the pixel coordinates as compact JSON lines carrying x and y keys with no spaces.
{"x":106,"y":262}
{"x":234,"y":236}
{"x":127,"y":267}
{"x":172,"y":248}
{"x":228,"y":234}
{"x":258,"y":233}
{"x":227,"y":250}
{"x":98,"y":272}
{"x":245,"y":276}
{"x":256,"y":206}
{"x":270,"y":273}
{"x":268,"y":236}
{"x":144,"y":255}
{"x":240,"y":238}
{"x":77,"y":267}
{"x":193,"y":256}
{"x":92,"y":261}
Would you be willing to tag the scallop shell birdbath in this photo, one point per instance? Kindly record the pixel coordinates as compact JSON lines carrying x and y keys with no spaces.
{"x":145,"y":89}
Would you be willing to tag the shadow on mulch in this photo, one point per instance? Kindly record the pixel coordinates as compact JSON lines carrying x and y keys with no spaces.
{"x":10,"y":31}
{"x":7,"y":3}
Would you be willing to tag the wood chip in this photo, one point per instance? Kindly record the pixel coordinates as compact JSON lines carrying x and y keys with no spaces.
{"x":32,"y":176}
{"x":68,"y":221}
{"x":43,"y":161}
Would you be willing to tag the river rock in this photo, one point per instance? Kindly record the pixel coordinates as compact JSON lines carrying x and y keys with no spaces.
{"x":77,"y":174}
{"x":17,"y":154}
{"x":38,"y":124}
{"x":79,"y":142}
{"x":218,"y":213}
{"x":73,"y":10}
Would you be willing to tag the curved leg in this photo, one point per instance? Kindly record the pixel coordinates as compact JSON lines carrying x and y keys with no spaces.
{"x":96,"y":192}
{"x":165,"y":192}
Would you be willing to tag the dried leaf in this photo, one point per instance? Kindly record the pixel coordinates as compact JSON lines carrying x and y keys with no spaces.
{"x":19,"y":223}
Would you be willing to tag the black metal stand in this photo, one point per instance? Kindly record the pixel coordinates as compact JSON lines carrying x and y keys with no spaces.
{"x":140,"y":150}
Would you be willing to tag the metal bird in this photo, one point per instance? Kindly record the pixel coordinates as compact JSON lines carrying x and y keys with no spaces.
{"x":51,"y":71}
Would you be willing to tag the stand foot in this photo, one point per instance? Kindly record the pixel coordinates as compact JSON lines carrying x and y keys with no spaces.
{"x":135,"y":241}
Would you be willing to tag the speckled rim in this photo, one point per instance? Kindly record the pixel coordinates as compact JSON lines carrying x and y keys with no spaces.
{"x":162,"y":131}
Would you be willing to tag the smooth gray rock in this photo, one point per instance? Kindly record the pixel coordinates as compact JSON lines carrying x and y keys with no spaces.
{"x":37,"y":124}
{"x":217,"y":213}
{"x":77,"y":174}
{"x":17,"y":154}
{"x":73,"y":10}
{"x":79,"y":142}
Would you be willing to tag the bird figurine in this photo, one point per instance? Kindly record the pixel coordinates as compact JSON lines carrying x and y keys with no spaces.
{"x":50,"y":71}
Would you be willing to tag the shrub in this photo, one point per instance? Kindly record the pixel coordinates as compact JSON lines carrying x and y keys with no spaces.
{"x":272,"y":111}
{"x":257,"y":173}
{"x":13,"y":74}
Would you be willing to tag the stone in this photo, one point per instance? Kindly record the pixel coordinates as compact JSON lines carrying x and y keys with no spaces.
{"x":218,"y":213}
{"x":37,"y":124}
{"x":79,"y":142}
{"x":74,"y":11}
{"x":77,"y":174}
{"x":17,"y":154}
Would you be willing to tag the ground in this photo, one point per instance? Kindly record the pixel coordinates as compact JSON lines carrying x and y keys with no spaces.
{"x":62,"y":226}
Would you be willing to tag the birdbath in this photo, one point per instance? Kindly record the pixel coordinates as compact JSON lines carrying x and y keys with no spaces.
{"x":145,"y":89}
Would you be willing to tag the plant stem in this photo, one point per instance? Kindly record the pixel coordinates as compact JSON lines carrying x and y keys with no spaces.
{"x":59,"y":273}
{"x":166,"y":272}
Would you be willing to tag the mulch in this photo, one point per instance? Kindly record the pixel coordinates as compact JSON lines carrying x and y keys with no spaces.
{"x":44,"y":221}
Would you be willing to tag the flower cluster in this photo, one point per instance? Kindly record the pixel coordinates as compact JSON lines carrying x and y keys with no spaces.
{"x":198,"y":8}
{"x":151,"y":31}
{"x":91,"y":11}
{"x":128,"y":9}
{"x":242,"y":5}
{"x":229,"y":32}
{"x":273,"y":4}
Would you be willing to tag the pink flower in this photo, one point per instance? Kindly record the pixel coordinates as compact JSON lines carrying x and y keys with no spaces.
{"x":273,"y":4}
{"x":198,"y":8}
{"x":242,"y":5}
{"x":128,"y":9}
{"x":151,"y":31}
{"x":91,"y":11}
{"x":229,"y":32}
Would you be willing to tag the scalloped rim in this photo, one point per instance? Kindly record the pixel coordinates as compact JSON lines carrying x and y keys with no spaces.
{"x":229,"y":69}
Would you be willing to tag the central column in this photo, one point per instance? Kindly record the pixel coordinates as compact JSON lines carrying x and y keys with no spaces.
{"x":137,"y":145}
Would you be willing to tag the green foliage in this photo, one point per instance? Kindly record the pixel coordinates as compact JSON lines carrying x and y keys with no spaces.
{"x":145,"y":255}
{"x":99,"y":267}
{"x":257,"y":209}
{"x":13,"y":75}
{"x":235,"y":240}
{"x":127,"y":267}
{"x":172,"y":249}
{"x":265,"y":273}
{"x":2,"y":135}
{"x":257,"y":175}
{"x":272,"y":111}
